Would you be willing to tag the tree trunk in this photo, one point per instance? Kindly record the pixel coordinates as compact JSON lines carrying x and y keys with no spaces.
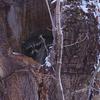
{"x":22,"y":78}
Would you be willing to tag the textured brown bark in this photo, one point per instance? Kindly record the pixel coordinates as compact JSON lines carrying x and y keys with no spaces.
{"x":21,"y":77}
{"x":78,"y":59}
{"x":79,"y":56}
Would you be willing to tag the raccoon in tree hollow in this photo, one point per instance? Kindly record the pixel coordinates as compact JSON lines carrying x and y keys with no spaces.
{"x":35,"y":48}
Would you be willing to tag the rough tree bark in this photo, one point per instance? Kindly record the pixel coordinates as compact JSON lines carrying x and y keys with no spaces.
{"x":79,"y":56}
{"x":17,"y":80}
{"x":21,"y":77}
{"x":58,"y":52}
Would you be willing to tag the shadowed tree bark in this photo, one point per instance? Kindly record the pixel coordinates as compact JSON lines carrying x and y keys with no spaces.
{"x":18,"y":23}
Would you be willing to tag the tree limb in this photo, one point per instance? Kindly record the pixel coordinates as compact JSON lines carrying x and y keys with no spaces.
{"x":59,"y":50}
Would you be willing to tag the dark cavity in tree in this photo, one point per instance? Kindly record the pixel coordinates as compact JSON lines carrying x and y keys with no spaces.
{"x":34,"y":46}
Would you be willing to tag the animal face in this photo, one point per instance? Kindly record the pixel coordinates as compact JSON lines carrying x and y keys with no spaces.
{"x":34,"y":48}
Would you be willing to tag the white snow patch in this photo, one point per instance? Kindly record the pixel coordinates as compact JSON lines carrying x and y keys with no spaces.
{"x":66,"y":6}
{"x":16,"y":53}
{"x":84,"y":8}
{"x":47,"y":61}
{"x":98,"y":62}
{"x":99,"y":5}
{"x":84,"y":2}
{"x":50,"y":47}
{"x":55,"y":1}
